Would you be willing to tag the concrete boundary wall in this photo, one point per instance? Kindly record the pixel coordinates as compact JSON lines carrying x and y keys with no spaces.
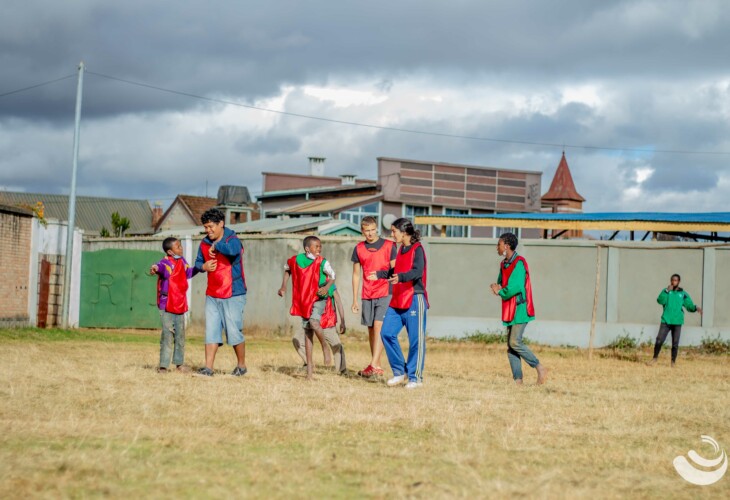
{"x":460,"y":271}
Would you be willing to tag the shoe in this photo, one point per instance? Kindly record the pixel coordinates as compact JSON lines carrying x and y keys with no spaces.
{"x":205,"y":372}
{"x":368,"y":372}
{"x":239,"y":372}
{"x":378,"y":372}
{"x":397,"y":380}
{"x":413,"y":384}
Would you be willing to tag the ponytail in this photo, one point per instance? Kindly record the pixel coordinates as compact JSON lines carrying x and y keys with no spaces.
{"x":405,"y":226}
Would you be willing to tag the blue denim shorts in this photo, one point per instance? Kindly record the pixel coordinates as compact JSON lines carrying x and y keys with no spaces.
{"x":225,"y":314}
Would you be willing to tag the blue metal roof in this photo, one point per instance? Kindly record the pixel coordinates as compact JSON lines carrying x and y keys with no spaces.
{"x":706,"y":217}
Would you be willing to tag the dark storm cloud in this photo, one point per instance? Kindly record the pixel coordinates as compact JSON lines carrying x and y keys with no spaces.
{"x":659,"y":67}
{"x":250,"y":49}
{"x":268,"y":143}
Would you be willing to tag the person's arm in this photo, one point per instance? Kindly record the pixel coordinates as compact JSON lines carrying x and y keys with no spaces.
{"x":330,"y":273}
{"x":341,"y":311}
{"x":383,"y":275}
{"x":416,"y":271}
{"x":356,"y":268}
{"x":191,"y":270}
{"x":200,"y":261}
{"x":229,"y":246}
{"x":163,"y":269}
{"x":285,"y":280}
{"x":663,"y":297}
{"x":158,"y":269}
{"x":516,"y":282}
{"x":496,"y":287}
{"x":388,"y":273}
{"x":689,"y":305}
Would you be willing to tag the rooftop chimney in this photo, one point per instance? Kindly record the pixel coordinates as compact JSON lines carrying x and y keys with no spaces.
{"x":348,"y":179}
{"x":316,"y":166}
{"x":156,"y":213}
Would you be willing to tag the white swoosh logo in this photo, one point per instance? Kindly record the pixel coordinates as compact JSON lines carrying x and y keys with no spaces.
{"x":692,"y":474}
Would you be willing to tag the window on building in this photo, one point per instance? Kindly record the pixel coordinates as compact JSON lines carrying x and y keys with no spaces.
{"x":456,"y":231}
{"x":355,"y":215}
{"x":411,"y":211}
{"x":238,"y":217}
{"x":499,"y":231}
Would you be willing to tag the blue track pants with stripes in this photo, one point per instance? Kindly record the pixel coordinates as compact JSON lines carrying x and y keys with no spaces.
{"x":414,"y":319}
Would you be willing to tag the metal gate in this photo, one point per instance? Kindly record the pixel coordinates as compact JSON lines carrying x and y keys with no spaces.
{"x":44,"y":286}
{"x":116,"y":291}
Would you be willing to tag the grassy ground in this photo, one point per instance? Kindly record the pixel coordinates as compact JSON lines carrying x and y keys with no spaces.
{"x":84,"y":414}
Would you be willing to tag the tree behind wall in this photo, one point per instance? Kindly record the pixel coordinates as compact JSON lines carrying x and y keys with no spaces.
{"x":119,"y":225}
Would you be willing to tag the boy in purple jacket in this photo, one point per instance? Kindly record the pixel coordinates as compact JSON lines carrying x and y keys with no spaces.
{"x":173,"y":273}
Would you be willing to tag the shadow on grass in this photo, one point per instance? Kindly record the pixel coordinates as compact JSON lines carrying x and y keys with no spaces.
{"x":301,"y":372}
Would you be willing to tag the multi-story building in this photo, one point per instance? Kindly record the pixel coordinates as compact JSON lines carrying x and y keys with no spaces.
{"x":404,"y":188}
{"x":412,"y":187}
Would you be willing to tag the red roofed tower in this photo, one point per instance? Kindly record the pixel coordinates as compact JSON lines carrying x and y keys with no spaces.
{"x":562,"y":197}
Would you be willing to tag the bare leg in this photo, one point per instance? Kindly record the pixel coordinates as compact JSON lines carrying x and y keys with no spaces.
{"x":319,"y":332}
{"x":308,"y":351}
{"x":376,"y":344}
{"x":542,"y":374}
{"x":240,"y":350}
{"x":210,"y":350}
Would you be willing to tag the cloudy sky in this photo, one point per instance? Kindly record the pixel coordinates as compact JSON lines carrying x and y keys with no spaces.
{"x":638,"y":78}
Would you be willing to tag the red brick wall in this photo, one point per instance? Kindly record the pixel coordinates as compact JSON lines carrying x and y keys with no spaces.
{"x":15,"y":246}
{"x":281,"y":182}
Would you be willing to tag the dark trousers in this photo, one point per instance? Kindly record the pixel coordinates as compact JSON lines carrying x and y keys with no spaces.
{"x":664,"y":330}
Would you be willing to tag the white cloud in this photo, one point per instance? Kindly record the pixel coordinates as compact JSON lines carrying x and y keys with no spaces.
{"x":344,"y":98}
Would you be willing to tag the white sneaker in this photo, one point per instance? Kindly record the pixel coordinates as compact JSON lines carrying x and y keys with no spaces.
{"x":413,"y":385}
{"x":397,"y":380}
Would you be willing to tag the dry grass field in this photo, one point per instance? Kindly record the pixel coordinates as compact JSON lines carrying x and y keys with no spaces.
{"x":84,"y":414}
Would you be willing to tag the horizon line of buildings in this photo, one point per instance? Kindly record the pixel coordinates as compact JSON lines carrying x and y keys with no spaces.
{"x":403,"y":188}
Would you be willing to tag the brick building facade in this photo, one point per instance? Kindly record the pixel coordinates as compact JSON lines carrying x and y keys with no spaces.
{"x":16,"y":230}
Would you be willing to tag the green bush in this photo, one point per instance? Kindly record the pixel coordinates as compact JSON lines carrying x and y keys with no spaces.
{"x":623,"y":342}
{"x":715,"y":345}
{"x":487,"y":338}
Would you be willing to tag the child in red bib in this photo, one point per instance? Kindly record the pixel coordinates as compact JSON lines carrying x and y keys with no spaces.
{"x":173,"y":273}
{"x":514,"y":288}
{"x":316,"y":300}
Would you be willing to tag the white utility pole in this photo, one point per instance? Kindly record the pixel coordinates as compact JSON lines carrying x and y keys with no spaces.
{"x":72,"y":205}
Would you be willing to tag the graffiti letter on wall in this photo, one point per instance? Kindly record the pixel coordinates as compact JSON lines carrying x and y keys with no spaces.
{"x":101,"y":284}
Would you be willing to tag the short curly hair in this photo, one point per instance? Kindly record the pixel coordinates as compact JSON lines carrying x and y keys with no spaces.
{"x":212,"y":215}
{"x":510,"y":240}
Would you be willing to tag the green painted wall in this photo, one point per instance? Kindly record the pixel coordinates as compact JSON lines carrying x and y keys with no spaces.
{"x":116,"y":291}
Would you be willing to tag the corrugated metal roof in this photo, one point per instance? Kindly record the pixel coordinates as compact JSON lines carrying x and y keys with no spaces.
{"x":327,"y":206}
{"x":92,"y":213}
{"x":324,"y":189}
{"x":700,"y":218}
{"x":265,"y":226}
{"x":340,"y":227}
{"x":292,"y":225}
{"x":613,"y":221}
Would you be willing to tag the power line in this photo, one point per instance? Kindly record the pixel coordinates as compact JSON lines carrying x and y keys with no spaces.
{"x":406,"y":130}
{"x":371,"y":126}
{"x":37,"y":85}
